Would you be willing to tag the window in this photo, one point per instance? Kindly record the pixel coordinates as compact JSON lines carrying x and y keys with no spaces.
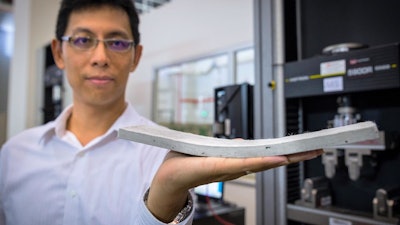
{"x":245,"y":66}
{"x":184,"y":97}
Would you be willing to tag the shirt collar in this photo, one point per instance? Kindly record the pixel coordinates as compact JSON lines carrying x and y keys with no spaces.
{"x":61,"y":121}
{"x":58,"y":127}
{"x":128,"y":118}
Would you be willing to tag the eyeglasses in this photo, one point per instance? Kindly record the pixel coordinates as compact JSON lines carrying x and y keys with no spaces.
{"x":87,"y":43}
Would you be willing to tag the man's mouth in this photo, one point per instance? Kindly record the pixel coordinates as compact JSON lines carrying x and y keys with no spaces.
{"x":100,"y":80}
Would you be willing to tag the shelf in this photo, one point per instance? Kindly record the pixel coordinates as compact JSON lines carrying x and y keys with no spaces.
{"x":325,"y":217}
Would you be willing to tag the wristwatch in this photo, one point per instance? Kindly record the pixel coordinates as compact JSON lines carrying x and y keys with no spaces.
{"x":183,"y":214}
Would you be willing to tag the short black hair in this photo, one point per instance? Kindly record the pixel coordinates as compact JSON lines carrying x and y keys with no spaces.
{"x":69,"y":6}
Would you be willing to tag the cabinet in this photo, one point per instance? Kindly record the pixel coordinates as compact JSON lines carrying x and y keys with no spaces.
{"x":230,"y":213}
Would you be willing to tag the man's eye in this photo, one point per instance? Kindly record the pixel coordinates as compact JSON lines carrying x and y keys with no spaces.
{"x":119,"y":44}
{"x":82,"y":41}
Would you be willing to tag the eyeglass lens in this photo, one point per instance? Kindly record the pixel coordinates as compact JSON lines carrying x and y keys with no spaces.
{"x":86,"y":43}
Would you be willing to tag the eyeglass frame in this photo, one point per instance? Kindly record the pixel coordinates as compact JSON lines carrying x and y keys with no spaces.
{"x":96,"y":41}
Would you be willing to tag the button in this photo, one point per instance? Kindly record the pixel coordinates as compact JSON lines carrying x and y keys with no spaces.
{"x":72,"y":193}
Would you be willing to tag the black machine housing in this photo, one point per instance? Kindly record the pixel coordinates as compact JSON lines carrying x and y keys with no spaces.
{"x":369,"y":81}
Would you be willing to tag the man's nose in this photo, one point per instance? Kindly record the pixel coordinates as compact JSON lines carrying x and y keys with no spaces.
{"x":100,"y":54}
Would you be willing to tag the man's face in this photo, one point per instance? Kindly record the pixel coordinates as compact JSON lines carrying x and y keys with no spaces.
{"x":97,"y":75}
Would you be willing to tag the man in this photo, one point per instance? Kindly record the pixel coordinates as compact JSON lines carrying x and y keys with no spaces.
{"x":75,"y":170}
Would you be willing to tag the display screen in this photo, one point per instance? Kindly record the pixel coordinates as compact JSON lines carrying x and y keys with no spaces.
{"x":213,"y":191}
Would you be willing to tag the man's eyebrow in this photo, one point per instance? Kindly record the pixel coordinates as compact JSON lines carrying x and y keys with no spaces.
{"x":82,"y":30}
{"x":115,"y":33}
{"x":119,"y":34}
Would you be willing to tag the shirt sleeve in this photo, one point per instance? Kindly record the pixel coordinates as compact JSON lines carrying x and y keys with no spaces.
{"x":145,"y":217}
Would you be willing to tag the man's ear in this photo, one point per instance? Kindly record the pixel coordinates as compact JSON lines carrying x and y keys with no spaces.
{"x":56,"y":49}
{"x":136,"y":59}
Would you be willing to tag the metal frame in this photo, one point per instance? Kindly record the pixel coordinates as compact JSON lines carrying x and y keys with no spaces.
{"x":269,"y":106}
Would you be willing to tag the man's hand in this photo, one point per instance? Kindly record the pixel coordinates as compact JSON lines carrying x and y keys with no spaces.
{"x":179,"y":173}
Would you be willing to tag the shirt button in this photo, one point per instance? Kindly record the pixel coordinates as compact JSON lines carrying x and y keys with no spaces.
{"x":72,"y":193}
{"x":80,"y":154}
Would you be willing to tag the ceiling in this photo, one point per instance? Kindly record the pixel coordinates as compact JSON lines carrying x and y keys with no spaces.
{"x":144,"y":6}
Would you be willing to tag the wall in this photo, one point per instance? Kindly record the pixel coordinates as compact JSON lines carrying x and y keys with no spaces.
{"x":184,"y":29}
{"x":242,"y":192}
{"x":34,"y":28}
{"x":180,"y":30}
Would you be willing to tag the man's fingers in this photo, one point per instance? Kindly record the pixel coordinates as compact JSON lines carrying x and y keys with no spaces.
{"x":209,"y":169}
{"x":298,"y":157}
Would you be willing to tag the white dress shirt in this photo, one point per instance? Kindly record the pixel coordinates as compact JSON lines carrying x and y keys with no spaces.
{"x":47,"y":177}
